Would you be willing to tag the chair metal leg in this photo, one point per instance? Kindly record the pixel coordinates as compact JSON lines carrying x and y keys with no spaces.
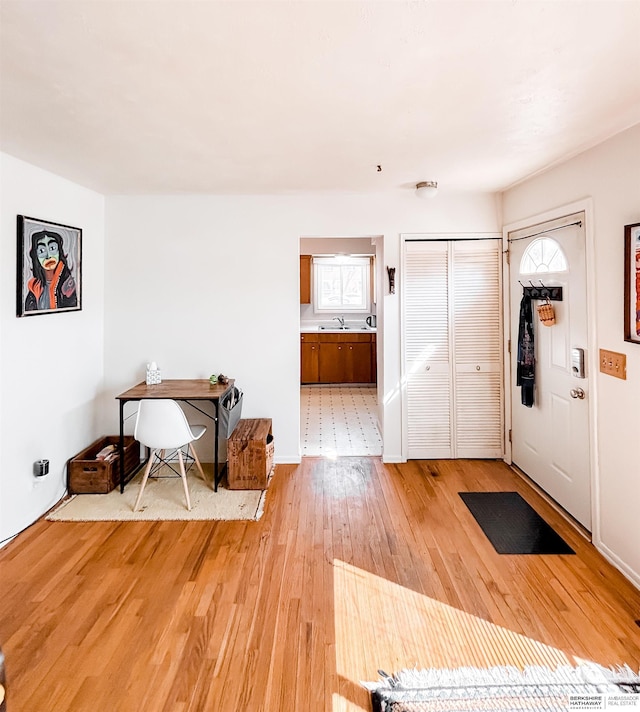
{"x":183,"y":474}
{"x":199,"y":466}
{"x":145,"y":477}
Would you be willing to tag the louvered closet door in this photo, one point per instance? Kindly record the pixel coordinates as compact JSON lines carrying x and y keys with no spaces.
{"x":476,"y":316}
{"x":427,"y":366}
{"x":453,"y":349}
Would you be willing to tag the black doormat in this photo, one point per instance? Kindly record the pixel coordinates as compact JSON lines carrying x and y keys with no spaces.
{"x":512,"y":525}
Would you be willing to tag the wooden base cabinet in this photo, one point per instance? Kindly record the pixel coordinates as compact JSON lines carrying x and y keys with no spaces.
{"x":309,"y":350}
{"x":345,"y":362}
{"x":332,"y":363}
{"x":338,"y":358}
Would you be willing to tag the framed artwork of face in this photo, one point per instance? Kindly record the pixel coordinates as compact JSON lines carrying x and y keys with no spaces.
{"x":632,"y":283}
{"x":49,"y":267}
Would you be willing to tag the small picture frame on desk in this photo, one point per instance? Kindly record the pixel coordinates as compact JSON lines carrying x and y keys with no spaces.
{"x":632,"y":283}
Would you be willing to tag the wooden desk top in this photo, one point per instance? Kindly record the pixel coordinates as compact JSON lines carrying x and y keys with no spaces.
{"x":178,"y":389}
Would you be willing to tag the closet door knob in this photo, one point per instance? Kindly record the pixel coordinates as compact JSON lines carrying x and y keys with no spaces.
{"x":477,"y":368}
{"x":427,"y":368}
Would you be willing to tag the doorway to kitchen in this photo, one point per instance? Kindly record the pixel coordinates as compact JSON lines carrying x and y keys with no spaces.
{"x":338,"y":348}
{"x":338,"y":420}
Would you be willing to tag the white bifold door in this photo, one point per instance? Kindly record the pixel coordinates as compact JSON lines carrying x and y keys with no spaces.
{"x":453,"y":345}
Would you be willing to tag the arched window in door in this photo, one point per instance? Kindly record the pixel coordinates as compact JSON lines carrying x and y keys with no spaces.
{"x":543,"y":255}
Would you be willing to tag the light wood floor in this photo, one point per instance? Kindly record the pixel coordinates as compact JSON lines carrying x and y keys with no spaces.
{"x":355,"y":566}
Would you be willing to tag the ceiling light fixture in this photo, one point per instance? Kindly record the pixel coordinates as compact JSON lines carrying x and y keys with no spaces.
{"x":426,"y":188}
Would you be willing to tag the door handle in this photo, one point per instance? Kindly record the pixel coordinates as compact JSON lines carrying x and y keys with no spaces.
{"x":577,"y":393}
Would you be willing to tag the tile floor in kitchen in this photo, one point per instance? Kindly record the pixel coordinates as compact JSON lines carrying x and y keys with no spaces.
{"x":339,"y":421}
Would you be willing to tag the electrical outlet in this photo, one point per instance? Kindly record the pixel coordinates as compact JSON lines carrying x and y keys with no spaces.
{"x":613,"y":364}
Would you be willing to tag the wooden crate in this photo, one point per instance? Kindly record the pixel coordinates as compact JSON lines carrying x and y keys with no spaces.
{"x":250,"y":452}
{"x":86,"y":475}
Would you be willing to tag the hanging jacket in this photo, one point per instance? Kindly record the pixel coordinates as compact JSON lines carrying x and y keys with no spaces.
{"x":526,"y":372}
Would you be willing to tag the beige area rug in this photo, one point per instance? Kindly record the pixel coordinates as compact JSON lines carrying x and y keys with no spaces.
{"x":163,"y":499}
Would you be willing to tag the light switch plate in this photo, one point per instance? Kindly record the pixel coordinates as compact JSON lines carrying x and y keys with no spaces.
{"x":613,"y":364}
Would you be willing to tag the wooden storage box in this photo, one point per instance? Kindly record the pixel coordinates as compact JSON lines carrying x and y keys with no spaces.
{"x":250,"y":453}
{"x":86,"y":475}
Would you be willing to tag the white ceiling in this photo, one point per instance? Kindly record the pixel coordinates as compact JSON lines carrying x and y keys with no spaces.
{"x":205,"y":96}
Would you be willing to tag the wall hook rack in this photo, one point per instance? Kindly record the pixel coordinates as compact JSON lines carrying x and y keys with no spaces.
{"x":391,"y":271}
{"x":553,"y":294}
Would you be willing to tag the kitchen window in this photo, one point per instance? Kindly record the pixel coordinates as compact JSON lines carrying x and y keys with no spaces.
{"x":342,"y":284}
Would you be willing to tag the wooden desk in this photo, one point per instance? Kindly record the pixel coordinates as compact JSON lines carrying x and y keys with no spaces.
{"x":187,"y":390}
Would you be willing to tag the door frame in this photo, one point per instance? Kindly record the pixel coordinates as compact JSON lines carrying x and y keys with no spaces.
{"x":585,"y":206}
{"x":378,"y":241}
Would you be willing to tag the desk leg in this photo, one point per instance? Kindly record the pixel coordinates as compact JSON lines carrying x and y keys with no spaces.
{"x":215,"y":447}
{"x":121,"y":447}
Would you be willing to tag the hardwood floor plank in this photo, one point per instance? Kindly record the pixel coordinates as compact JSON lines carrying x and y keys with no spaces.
{"x":354,"y":566}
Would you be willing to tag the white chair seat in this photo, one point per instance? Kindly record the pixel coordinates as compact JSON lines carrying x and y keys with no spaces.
{"x":162,"y":425}
{"x":198,"y":431}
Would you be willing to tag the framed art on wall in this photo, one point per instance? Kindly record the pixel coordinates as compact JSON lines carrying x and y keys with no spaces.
{"x":49,"y":267}
{"x":632,"y":283}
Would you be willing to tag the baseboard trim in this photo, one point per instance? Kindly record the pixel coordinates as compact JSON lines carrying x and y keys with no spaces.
{"x":623,"y":568}
{"x":287,"y":459}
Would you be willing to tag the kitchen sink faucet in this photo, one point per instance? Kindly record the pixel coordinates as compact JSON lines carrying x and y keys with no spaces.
{"x":340,"y":320}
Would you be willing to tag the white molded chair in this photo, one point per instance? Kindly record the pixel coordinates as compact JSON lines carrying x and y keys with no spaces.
{"x":162,"y":425}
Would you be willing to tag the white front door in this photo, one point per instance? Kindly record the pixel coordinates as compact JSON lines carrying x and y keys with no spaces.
{"x":551,"y":440}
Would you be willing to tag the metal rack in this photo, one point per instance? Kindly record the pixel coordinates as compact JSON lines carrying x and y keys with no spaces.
{"x":553,"y":294}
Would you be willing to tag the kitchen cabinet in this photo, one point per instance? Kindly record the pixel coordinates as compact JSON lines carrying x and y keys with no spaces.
{"x":338,"y":358}
{"x":305,"y":279}
{"x":358,"y":363}
{"x":332,"y":363}
{"x":309,"y":348}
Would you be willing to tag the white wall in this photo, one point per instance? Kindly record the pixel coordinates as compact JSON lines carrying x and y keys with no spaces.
{"x":211,"y":284}
{"x":337,"y":245}
{"x":609,"y":174}
{"x":51,"y":366}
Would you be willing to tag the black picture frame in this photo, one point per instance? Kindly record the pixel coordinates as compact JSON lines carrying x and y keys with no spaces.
{"x":632,"y":283}
{"x":49,"y":264}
